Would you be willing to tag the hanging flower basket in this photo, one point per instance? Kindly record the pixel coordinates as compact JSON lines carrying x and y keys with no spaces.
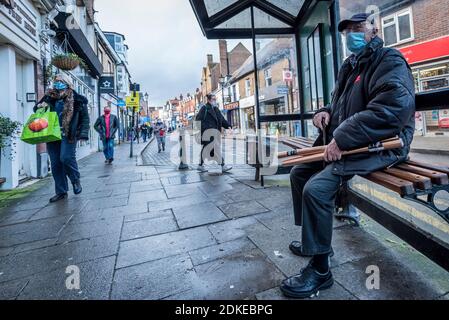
{"x":67,"y":62}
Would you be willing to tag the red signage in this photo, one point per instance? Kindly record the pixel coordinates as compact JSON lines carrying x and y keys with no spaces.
{"x":231,"y":106}
{"x":426,"y":51}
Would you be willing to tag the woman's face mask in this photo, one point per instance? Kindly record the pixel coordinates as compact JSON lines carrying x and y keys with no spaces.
{"x":356,"y":41}
{"x":59,"y":85}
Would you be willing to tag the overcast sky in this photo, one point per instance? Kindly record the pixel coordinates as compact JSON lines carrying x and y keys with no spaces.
{"x":166,"y":46}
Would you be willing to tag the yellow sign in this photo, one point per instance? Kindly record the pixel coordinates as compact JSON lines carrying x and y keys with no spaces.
{"x":133,"y":102}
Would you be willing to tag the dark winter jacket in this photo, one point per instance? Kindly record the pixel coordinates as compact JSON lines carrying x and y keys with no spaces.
{"x":80,"y":123}
{"x":100,"y":126}
{"x":211,"y":118}
{"x":374,"y":99}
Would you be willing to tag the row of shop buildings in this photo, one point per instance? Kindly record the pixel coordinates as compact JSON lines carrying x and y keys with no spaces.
{"x":32,"y":32}
{"x":296,"y":70}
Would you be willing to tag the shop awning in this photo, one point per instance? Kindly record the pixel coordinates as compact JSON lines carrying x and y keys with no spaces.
{"x":79,"y":43}
{"x":231,"y":19}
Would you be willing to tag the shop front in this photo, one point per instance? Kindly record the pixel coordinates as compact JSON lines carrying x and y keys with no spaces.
{"x":19,"y":54}
{"x":430,"y":64}
{"x":247,"y":115}
{"x":233,"y":114}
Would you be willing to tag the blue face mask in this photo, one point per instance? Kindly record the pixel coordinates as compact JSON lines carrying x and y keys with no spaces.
{"x":356,"y":42}
{"x":58,"y":85}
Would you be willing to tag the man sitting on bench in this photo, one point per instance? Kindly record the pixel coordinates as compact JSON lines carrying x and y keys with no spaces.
{"x":374,"y":99}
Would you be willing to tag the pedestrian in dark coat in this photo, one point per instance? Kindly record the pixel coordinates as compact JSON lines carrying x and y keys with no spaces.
{"x":74,"y":121}
{"x":107,"y":126}
{"x":211,"y":120}
{"x":374,"y":99}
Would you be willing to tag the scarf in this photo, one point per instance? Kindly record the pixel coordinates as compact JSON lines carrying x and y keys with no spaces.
{"x":69,"y":107}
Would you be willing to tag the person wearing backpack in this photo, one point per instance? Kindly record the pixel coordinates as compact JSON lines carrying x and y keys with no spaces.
{"x":211,"y":117}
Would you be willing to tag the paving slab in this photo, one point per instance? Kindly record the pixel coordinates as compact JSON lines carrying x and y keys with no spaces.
{"x":153,"y":280}
{"x":198,"y":215}
{"x":148,"y":227}
{"x":95,"y":282}
{"x":147,"y":196}
{"x":219,"y":251}
{"x":11,"y":289}
{"x":24,"y":264}
{"x":76,"y":231}
{"x":336,"y":292}
{"x":243,"y":209}
{"x":111,"y":203}
{"x":236,"y":277}
{"x":397,"y":280}
{"x":148,"y":215}
{"x":161,"y":246}
{"x":31,"y":231}
{"x":232,"y":229}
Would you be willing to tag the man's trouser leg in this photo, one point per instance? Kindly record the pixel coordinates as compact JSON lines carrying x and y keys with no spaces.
{"x":318,"y":208}
{"x":298,"y":179}
{"x":105,"y":148}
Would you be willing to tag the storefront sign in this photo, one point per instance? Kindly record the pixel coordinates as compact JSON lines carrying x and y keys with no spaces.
{"x":107,"y":85}
{"x":288,"y":75}
{"x":426,"y":51}
{"x":231,"y":106}
{"x":247,"y":102}
{"x":282,"y":90}
{"x":444,"y":119}
{"x":22,"y":17}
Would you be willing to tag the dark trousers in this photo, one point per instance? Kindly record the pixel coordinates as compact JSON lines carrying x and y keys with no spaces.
{"x":212,"y":155}
{"x":108,"y":148}
{"x":63,"y":164}
{"x":314,"y":191}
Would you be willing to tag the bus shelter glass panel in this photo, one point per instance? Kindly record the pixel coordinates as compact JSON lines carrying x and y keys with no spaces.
{"x":290,"y":6}
{"x":277,"y":75}
{"x":215,"y":6}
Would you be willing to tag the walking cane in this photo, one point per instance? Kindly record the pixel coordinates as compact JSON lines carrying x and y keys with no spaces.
{"x":323,"y":124}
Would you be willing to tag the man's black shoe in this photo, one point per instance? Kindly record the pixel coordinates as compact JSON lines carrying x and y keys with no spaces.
{"x":77,"y":188}
{"x":307,"y":284}
{"x":296,"y":248}
{"x":58,"y":197}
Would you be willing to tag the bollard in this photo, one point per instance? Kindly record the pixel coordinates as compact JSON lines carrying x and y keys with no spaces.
{"x":182,"y":151}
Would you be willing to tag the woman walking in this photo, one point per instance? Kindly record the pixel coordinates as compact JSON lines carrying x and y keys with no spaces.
{"x":74,"y":121}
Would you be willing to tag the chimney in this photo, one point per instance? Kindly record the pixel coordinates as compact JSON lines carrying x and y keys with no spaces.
{"x":210,"y":59}
{"x":257,"y":45}
{"x":224,"y":59}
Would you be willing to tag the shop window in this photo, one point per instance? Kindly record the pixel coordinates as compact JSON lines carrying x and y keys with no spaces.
{"x":398,"y":27}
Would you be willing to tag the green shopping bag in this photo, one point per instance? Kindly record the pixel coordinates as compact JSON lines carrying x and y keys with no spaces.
{"x":42,"y":126}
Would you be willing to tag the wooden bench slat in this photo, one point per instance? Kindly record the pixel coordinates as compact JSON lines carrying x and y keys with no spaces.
{"x":429,"y":166}
{"x":420,"y":182}
{"x":393,"y":183}
{"x":294,"y":144}
{"x":439,"y":178}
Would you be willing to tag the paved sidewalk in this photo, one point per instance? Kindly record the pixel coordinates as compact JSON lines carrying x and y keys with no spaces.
{"x":438,"y":145}
{"x":152,"y":232}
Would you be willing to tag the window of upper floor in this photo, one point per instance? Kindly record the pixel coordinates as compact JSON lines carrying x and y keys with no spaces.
{"x":397,"y":28}
{"x":248,"y":87}
{"x":268,"y":78}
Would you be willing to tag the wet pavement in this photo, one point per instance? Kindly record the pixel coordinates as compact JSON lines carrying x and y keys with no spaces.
{"x":153,"y":232}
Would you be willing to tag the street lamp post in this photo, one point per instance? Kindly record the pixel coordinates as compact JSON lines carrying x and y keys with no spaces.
{"x":222,"y":81}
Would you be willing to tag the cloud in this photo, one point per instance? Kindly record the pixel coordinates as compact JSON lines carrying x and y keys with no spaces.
{"x":166,"y":46}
